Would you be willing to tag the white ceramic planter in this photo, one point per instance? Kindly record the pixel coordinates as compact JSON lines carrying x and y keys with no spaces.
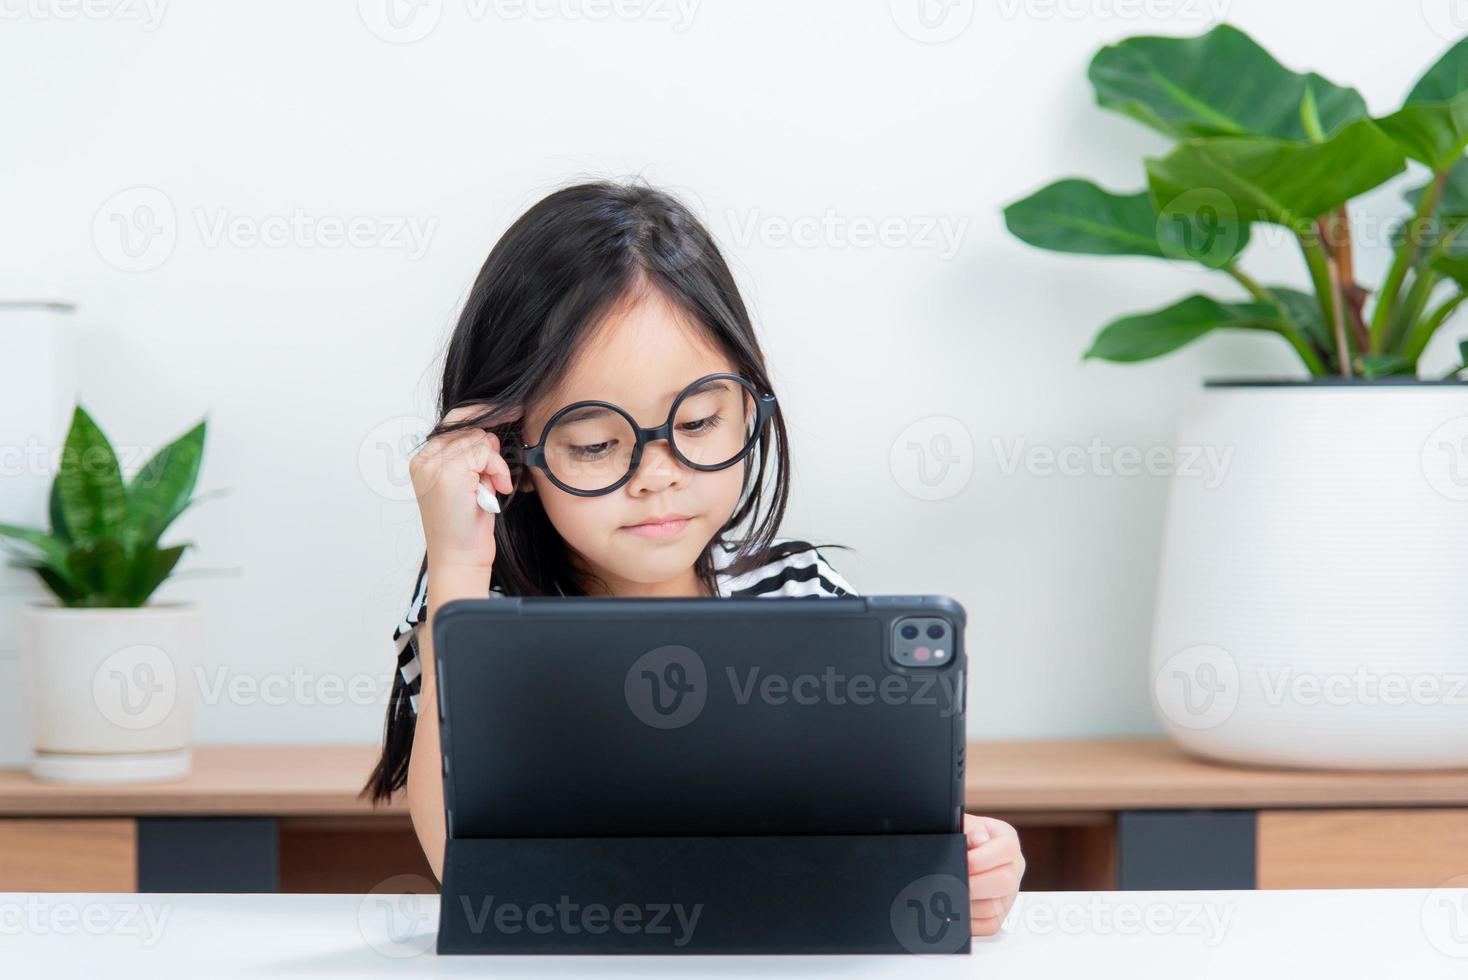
{"x":107,"y":691}
{"x":1312,"y":606}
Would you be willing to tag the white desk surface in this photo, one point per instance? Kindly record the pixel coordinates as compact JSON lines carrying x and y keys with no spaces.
{"x":1415,"y":933}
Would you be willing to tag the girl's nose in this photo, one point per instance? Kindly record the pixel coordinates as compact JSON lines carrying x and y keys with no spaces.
{"x":659,"y":468}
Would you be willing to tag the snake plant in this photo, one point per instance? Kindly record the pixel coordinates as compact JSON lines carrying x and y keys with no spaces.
{"x":103,"y":547}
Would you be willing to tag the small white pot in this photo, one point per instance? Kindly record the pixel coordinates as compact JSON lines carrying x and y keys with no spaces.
{"x":107,"y":691}
{"x":1311,"y":600}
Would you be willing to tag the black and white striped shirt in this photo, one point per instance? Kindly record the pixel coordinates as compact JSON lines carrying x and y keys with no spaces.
{"x":803,"y":573}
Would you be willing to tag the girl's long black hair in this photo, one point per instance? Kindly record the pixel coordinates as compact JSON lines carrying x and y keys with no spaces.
{"x":546,"y":284}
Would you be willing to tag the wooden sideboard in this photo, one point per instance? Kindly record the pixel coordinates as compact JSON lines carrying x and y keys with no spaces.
{"x":1092,"y":813}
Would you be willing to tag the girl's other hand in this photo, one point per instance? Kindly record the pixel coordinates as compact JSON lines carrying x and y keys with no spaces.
{"x":995,"y":866}
{"x":446,"y":474}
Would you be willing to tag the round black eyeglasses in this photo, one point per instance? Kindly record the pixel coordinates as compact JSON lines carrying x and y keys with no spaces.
{"x":590,"y":448}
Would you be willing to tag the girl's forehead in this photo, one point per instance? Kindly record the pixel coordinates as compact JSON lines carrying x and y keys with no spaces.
{"x":646,"y":393}
{"x":639,"y":358}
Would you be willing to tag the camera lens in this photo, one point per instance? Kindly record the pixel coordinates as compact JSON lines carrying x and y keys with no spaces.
{"x":935,"y":632}
{"x":909,"y":632}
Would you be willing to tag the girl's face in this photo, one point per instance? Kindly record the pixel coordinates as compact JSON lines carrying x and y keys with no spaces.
{"x":640,"y":357}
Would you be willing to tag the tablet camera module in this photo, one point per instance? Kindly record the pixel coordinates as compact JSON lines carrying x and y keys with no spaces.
{"x":923,"y":641}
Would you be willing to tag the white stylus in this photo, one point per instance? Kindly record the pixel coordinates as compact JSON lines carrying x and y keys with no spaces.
{"x":486,"y":499}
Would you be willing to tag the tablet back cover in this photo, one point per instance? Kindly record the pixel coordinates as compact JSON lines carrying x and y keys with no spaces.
{"x":652,"y":717}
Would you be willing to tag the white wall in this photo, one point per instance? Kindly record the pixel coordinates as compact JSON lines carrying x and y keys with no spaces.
{"x":770,"y":114}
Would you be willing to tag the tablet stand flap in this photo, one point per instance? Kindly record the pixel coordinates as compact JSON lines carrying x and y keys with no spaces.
{"x":887,"y":893}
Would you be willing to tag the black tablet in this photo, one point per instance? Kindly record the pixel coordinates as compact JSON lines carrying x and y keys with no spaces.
{"x":614,"y":717}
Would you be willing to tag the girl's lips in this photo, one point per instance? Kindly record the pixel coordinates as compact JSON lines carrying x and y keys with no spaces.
{"x":666,"y":530}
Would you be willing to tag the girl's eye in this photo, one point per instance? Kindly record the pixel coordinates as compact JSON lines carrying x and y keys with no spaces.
{"x":700,"y":426}
{"x":592,"y":451}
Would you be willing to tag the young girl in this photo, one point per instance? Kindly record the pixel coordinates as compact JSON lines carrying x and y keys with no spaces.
{"x":615,"y":294}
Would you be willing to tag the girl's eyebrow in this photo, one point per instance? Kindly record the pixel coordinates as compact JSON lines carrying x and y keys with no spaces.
{"x":709,"y":385}
{"x":582,"y":414}
{"x":593,"y":411}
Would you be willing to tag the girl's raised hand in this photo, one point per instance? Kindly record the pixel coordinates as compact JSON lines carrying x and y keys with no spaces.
{"x":995,"y":867}
{"x":446,"y":475}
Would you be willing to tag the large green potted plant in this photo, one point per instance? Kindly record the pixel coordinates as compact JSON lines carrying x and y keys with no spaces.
{"x":1309,"y":609}
{"x":104,"y":670}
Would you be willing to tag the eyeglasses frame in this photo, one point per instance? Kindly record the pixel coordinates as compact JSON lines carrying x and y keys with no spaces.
{"x":764,"y":410}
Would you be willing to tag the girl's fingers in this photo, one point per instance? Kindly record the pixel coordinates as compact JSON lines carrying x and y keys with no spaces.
{"x":976,"y":832}
{"x":498,"y":469}
{"x":481,"y":453}
{"x":464,"y":413}
{"x":990,"y":908}
{"x":498,"y":472}
{"x":476,"y":452}
{"x":993,"y":854}
{"x":998,"y":843}
{"x":1000,"y":882}
{"x":986,"y":828}
{"x":985,"y":908}
{"x":436,"y":451}
{"x":984,"y":922}
{"x":995,"y":867}
{"x":470,"y":450}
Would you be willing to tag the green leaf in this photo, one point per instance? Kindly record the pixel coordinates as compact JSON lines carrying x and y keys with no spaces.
{"x":1433,"y":134}
{"x":1432,"y":125}
{"x":58,"y":519}
{"x":1452,"y":260}
{"x":1303,"y":310}
{"x":93,"y":501}
{"x":1449,"y":256}
{"x":1287,"y":183}
{"x":1310,"y":116}
{"x":1446,"y":79}
{"x":151,"y":567}
{"x":160,"y":490}
{"x":51,"y":548}
{"x":59,"y":585}
{"x":1452,"y":206}
{"x":1217,"y":84}
{"x":1078,"y":216}
{"x":1383,"y":365}
{"x":100,"y":571}
{"x":1148,"y":335}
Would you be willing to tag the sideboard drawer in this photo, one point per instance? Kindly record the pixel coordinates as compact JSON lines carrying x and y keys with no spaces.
{"x":68,"y":855}
{"x":1418,"y":848}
